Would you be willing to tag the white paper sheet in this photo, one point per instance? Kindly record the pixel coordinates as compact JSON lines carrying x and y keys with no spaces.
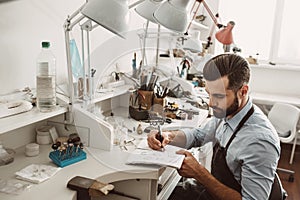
{"x":145,"y":155}
{"x":37,"y":173}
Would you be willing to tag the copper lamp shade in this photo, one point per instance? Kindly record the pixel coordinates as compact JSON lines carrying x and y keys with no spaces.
{"x":224,"y":36}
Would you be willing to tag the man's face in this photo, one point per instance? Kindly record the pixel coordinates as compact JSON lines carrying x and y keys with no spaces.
{"x":223,"y":101}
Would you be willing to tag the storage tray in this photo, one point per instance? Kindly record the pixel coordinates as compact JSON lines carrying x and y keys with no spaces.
{"x":62,"y":161}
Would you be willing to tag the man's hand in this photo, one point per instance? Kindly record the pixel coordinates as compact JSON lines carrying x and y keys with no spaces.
{"x":190,"y":167}
{"x":154,"y":142}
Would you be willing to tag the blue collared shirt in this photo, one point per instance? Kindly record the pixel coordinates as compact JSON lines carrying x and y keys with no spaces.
{"x":253,"y":154}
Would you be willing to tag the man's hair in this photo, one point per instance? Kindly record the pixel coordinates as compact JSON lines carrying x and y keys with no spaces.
{"x":235,"y":67}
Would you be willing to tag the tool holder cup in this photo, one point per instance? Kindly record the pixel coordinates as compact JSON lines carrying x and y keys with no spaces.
{"x":158,"y":105}
{"x":140,"y":104}
{"x":145,"y":104}
{"x":145,"y":99}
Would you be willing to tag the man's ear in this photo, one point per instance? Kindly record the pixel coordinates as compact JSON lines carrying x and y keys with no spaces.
{"x":244,"y":90}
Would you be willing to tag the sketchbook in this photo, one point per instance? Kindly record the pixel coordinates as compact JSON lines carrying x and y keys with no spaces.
{"x":143,"y":154}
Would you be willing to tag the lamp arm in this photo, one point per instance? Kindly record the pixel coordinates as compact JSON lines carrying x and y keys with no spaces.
{"x":212,"y":16}
{"x":69,"y":65}
{"x":68,"y":25}
{"x":157,"y":45}
{"x":144,"y":61}
{"x":76,"y":12}
{"x":67,"y":29}
{"x":71,"y":25}
{"x":195,"y":13}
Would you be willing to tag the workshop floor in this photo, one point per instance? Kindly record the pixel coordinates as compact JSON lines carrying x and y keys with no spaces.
{"x":292,"y":188}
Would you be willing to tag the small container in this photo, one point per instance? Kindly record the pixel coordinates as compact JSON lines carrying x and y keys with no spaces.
{"x":43,"y":135}
{"x":32,"y":149}
{"x":139,"y":129}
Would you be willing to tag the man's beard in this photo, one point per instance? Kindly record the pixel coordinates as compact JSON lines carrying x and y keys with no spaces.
{"x":220,"y":113}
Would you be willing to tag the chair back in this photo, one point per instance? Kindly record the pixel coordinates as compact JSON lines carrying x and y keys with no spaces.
{"x":277,"y":192}
{"x":284,"y":118}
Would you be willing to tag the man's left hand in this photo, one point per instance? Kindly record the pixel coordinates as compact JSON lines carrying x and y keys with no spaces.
{"x":190,"y":167}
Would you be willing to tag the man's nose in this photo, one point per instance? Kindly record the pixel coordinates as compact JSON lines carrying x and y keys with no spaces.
{"x":211,"y":102}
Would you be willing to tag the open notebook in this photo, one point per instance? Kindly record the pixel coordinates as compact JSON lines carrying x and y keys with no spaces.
{"x":143,"y":154}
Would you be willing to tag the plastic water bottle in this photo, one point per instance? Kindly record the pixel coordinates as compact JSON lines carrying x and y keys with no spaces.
{"x":46,"y":79}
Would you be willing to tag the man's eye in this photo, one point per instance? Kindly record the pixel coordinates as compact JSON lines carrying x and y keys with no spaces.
{"x":219,"y":96}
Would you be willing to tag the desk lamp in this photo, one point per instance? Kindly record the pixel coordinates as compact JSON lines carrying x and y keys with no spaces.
{"x":146,"y":10}
{"x":113,"y":15}
{"x":193,"y":43}
{"x":103,"y":13}
{"x":224,"y":35}
{"x":175,"y":15}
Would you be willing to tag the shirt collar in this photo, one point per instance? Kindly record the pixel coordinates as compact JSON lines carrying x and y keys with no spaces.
{"x":235,"y":120}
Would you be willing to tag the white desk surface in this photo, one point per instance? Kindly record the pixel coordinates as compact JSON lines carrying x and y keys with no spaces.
{"x":105,"y":166}
{"x":56,"y":186}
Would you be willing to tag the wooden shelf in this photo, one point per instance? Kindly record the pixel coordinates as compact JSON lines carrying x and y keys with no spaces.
{"x":23,"y":119}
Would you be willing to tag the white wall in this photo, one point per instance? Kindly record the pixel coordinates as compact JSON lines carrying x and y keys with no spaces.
{"x":24,"y":24}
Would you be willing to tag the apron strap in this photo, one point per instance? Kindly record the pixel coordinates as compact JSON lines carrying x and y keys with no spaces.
{"x":240,"y":125}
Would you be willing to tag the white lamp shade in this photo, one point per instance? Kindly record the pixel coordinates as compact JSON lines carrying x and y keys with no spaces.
{"x":174,"y":15}
{"x":147,"y":8}
{"x":193,"y":43}
{"x":111,"y":14}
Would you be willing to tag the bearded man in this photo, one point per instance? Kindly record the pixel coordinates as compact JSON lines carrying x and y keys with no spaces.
{"x":246,"y":147}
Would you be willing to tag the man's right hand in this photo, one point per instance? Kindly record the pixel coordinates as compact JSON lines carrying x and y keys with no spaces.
{"x":153,"y":141}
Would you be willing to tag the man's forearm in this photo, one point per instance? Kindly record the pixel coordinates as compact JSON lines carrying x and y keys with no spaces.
{"x":216,"y":189}
{"x":177,"y":138}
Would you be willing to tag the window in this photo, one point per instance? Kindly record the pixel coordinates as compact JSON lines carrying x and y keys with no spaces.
{"x":268,"y":28}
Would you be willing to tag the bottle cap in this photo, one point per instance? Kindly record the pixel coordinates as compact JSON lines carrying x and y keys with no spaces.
{"x":45,"y":44}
